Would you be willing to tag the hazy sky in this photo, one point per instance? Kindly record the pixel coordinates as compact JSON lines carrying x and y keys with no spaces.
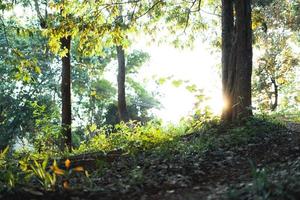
{"x":197,"y":65}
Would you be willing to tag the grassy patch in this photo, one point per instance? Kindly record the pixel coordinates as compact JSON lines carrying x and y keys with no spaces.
{"x":283,"y":183}
{"x":147,"y":146}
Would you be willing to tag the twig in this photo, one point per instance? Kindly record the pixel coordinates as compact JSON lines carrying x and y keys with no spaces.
{"x":148,"y":10}
{"x":4,"y":31}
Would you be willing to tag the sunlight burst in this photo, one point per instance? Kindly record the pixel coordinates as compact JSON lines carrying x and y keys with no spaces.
{"x":216,"y":104}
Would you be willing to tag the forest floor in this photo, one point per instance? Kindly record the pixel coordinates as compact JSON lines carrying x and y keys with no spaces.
{"x":263,"y":165}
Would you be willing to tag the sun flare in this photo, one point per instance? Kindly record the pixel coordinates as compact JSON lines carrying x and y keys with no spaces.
{"x":216,"y":104}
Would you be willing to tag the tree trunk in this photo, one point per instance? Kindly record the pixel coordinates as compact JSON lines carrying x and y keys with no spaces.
{"x":236,"y":59}
{"x":66,"y":93}
{"x":122,"y":110}
{"x":275,"y":104}
{"x":227,"y":45}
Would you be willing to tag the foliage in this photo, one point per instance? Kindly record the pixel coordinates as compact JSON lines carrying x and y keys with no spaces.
{"x":268,"y":184}
{"x":30,"y":54}
{"x":259,"y":188}
{"x":276,"y":68}
{"x":97,"y":95}
{"x":38,"y":95}
{"x":39,"y":171}
{"x":165,"y":144}
{"x":47,"y":127}
{"x":275,"y":36}
{"x":49,"y":177}
{"x":22,"y":80}
{"x":130,"y":137}
{"x":7,"y":177}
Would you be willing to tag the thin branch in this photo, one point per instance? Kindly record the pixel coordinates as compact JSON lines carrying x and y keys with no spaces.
{"x":133,"y":12}
{"x":4,"y":31}
{"x":148,"y":10}
{"x":119,"y":3}
{"x":209,"y":13}
{"x":37,"y":9}
{"x":189,"y":11}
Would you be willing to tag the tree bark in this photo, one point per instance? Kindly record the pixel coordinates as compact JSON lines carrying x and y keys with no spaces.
{"x":227,"y":45}
{"x":66,"y":94}
{"x":275,"y":104}
{"x":122,"y":109}
{"x":236,"y":59}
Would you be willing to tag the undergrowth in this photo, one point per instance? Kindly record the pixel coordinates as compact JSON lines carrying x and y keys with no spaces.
{"x":268,"y":184}
{"x":188,"y":139}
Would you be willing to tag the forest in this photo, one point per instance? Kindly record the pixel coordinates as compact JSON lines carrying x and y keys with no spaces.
{"x":149,"y":99}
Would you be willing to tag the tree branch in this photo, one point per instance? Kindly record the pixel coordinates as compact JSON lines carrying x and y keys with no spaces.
{"x":4,"y":31}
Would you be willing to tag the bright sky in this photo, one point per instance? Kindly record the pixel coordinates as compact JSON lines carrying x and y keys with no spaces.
{"x":197,"y":65}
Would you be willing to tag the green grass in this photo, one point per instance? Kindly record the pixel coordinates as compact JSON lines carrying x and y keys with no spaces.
{"x":160,"y":142}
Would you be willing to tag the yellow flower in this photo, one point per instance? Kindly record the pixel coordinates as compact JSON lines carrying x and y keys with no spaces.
{"x":78,"y":169}
{"x":56,"y":169}
{"x":67,"y":163}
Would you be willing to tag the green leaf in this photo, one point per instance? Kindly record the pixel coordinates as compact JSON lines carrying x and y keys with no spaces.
{"x":191,"y":88}
{"x":93,"y":127}
{"x":161,"y":81}
{"x":177,"y":83}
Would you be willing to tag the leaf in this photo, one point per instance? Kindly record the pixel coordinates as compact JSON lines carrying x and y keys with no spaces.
{"x":297,"y":98}
{"x":67,"y":163}
{"x":93,"y":93}
{"x":93,"y":127}
{"x":45,"y":162}
{"x":37,"y":70}
{"x":86,"y":173}
{"x":161,"y":81}
{"x":177,"y":83}
{"x":281,"y":80}
{"x":191,"y":88}
{"x":26,"y":78}
{"x":78,"y":169}
{"x":4,"y":152}
{"x":56,"y":169}
{"x":63,"y":53}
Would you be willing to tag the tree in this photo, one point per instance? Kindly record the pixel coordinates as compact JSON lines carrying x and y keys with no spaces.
{"x":27,"y":78}
{"x":275,"y":26}
{"x":97,"y":99}
{"x":65,"y":46}
{"x":275,"y":70}
{"x":66,"y":113}
{"x":236,"y":59}
{"x":122,"y":109}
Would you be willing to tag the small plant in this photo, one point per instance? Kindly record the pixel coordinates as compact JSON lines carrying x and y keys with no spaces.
{"x":136,"y":175}
{"x":67,"y":174}
{"x":49,"y":177}
{"x":3,"y":156}
{"x":260,"y":186}
{"x":39,"y":171}
{"x":7,"y":178}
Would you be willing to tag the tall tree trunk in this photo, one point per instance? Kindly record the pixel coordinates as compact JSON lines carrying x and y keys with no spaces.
{"x":275,"y":104}
{"x":236,"y":59}
{"x":122,"y":109}
{"x":227,"y":45}
{"x":66,"y":93}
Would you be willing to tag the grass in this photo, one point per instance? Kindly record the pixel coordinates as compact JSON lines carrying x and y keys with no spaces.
{"x":159,"y":142}
{"x":269,"y":184}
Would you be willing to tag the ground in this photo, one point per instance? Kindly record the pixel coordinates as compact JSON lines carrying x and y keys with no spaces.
{"x":265,"y":165}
